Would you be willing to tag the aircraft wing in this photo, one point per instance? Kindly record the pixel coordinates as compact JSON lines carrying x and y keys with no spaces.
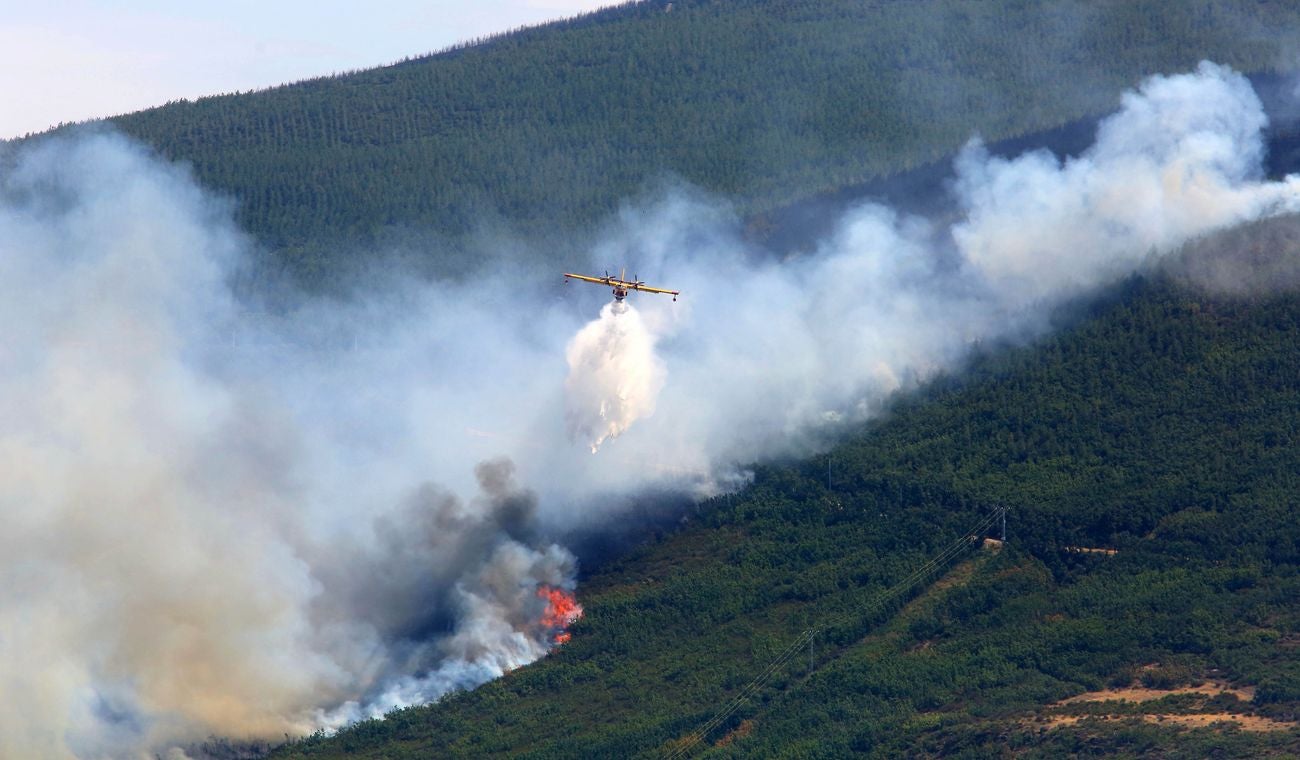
{"x":649,"y":289}
{"x":585,"y":278}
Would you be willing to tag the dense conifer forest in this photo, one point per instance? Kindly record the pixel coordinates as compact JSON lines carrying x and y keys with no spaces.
{"x":762,"y":101}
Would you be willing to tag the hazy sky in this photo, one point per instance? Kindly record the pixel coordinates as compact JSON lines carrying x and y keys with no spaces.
{"x":69,"y":60}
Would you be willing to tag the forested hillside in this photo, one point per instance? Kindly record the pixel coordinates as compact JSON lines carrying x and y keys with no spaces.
{"x":1148,"y":451}
{"x":765,"y":101}
{"x":1148,"y":454}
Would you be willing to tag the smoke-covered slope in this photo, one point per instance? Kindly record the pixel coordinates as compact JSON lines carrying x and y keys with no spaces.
{"x":763,"y":101}
{"x":226,"y":520}
{"x":1162,"y":424}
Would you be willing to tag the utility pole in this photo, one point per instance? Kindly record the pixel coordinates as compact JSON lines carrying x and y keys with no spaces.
{"x":1004,"y":524}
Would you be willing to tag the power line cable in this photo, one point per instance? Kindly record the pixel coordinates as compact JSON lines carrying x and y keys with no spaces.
{"x":686,"y":746}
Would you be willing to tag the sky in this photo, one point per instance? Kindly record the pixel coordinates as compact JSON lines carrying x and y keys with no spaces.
{"x":72,"y":60}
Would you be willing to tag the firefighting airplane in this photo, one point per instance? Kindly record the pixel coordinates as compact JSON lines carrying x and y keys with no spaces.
{"x":621,"y":285}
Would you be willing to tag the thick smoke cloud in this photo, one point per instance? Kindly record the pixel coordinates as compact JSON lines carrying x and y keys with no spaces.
{"x":226,"y":520}
{"x":1183,"y":156}
{"x":779,"y":350}
{"x":199,"y":538}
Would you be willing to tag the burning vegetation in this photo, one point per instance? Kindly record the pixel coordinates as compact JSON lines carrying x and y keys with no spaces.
{"x":562,"y":609}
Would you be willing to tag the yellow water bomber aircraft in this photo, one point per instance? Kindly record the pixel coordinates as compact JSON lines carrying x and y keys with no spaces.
{"x":621,"y":284}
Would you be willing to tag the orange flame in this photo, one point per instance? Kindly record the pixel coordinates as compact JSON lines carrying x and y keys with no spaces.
{"x":561,"y":610}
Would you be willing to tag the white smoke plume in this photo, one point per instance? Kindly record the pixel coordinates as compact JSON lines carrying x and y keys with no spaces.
{"x":222,"y":520}
{"x":780,"y":350}
{"x":1182,"y":157}
{"x":614,"y":375}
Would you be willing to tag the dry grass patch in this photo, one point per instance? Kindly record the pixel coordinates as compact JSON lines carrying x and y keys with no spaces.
{"x":1199,"y":720}
{"x":1143,"y":694}
{"x":1200,"y":712}
{"x":745,"y":728}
